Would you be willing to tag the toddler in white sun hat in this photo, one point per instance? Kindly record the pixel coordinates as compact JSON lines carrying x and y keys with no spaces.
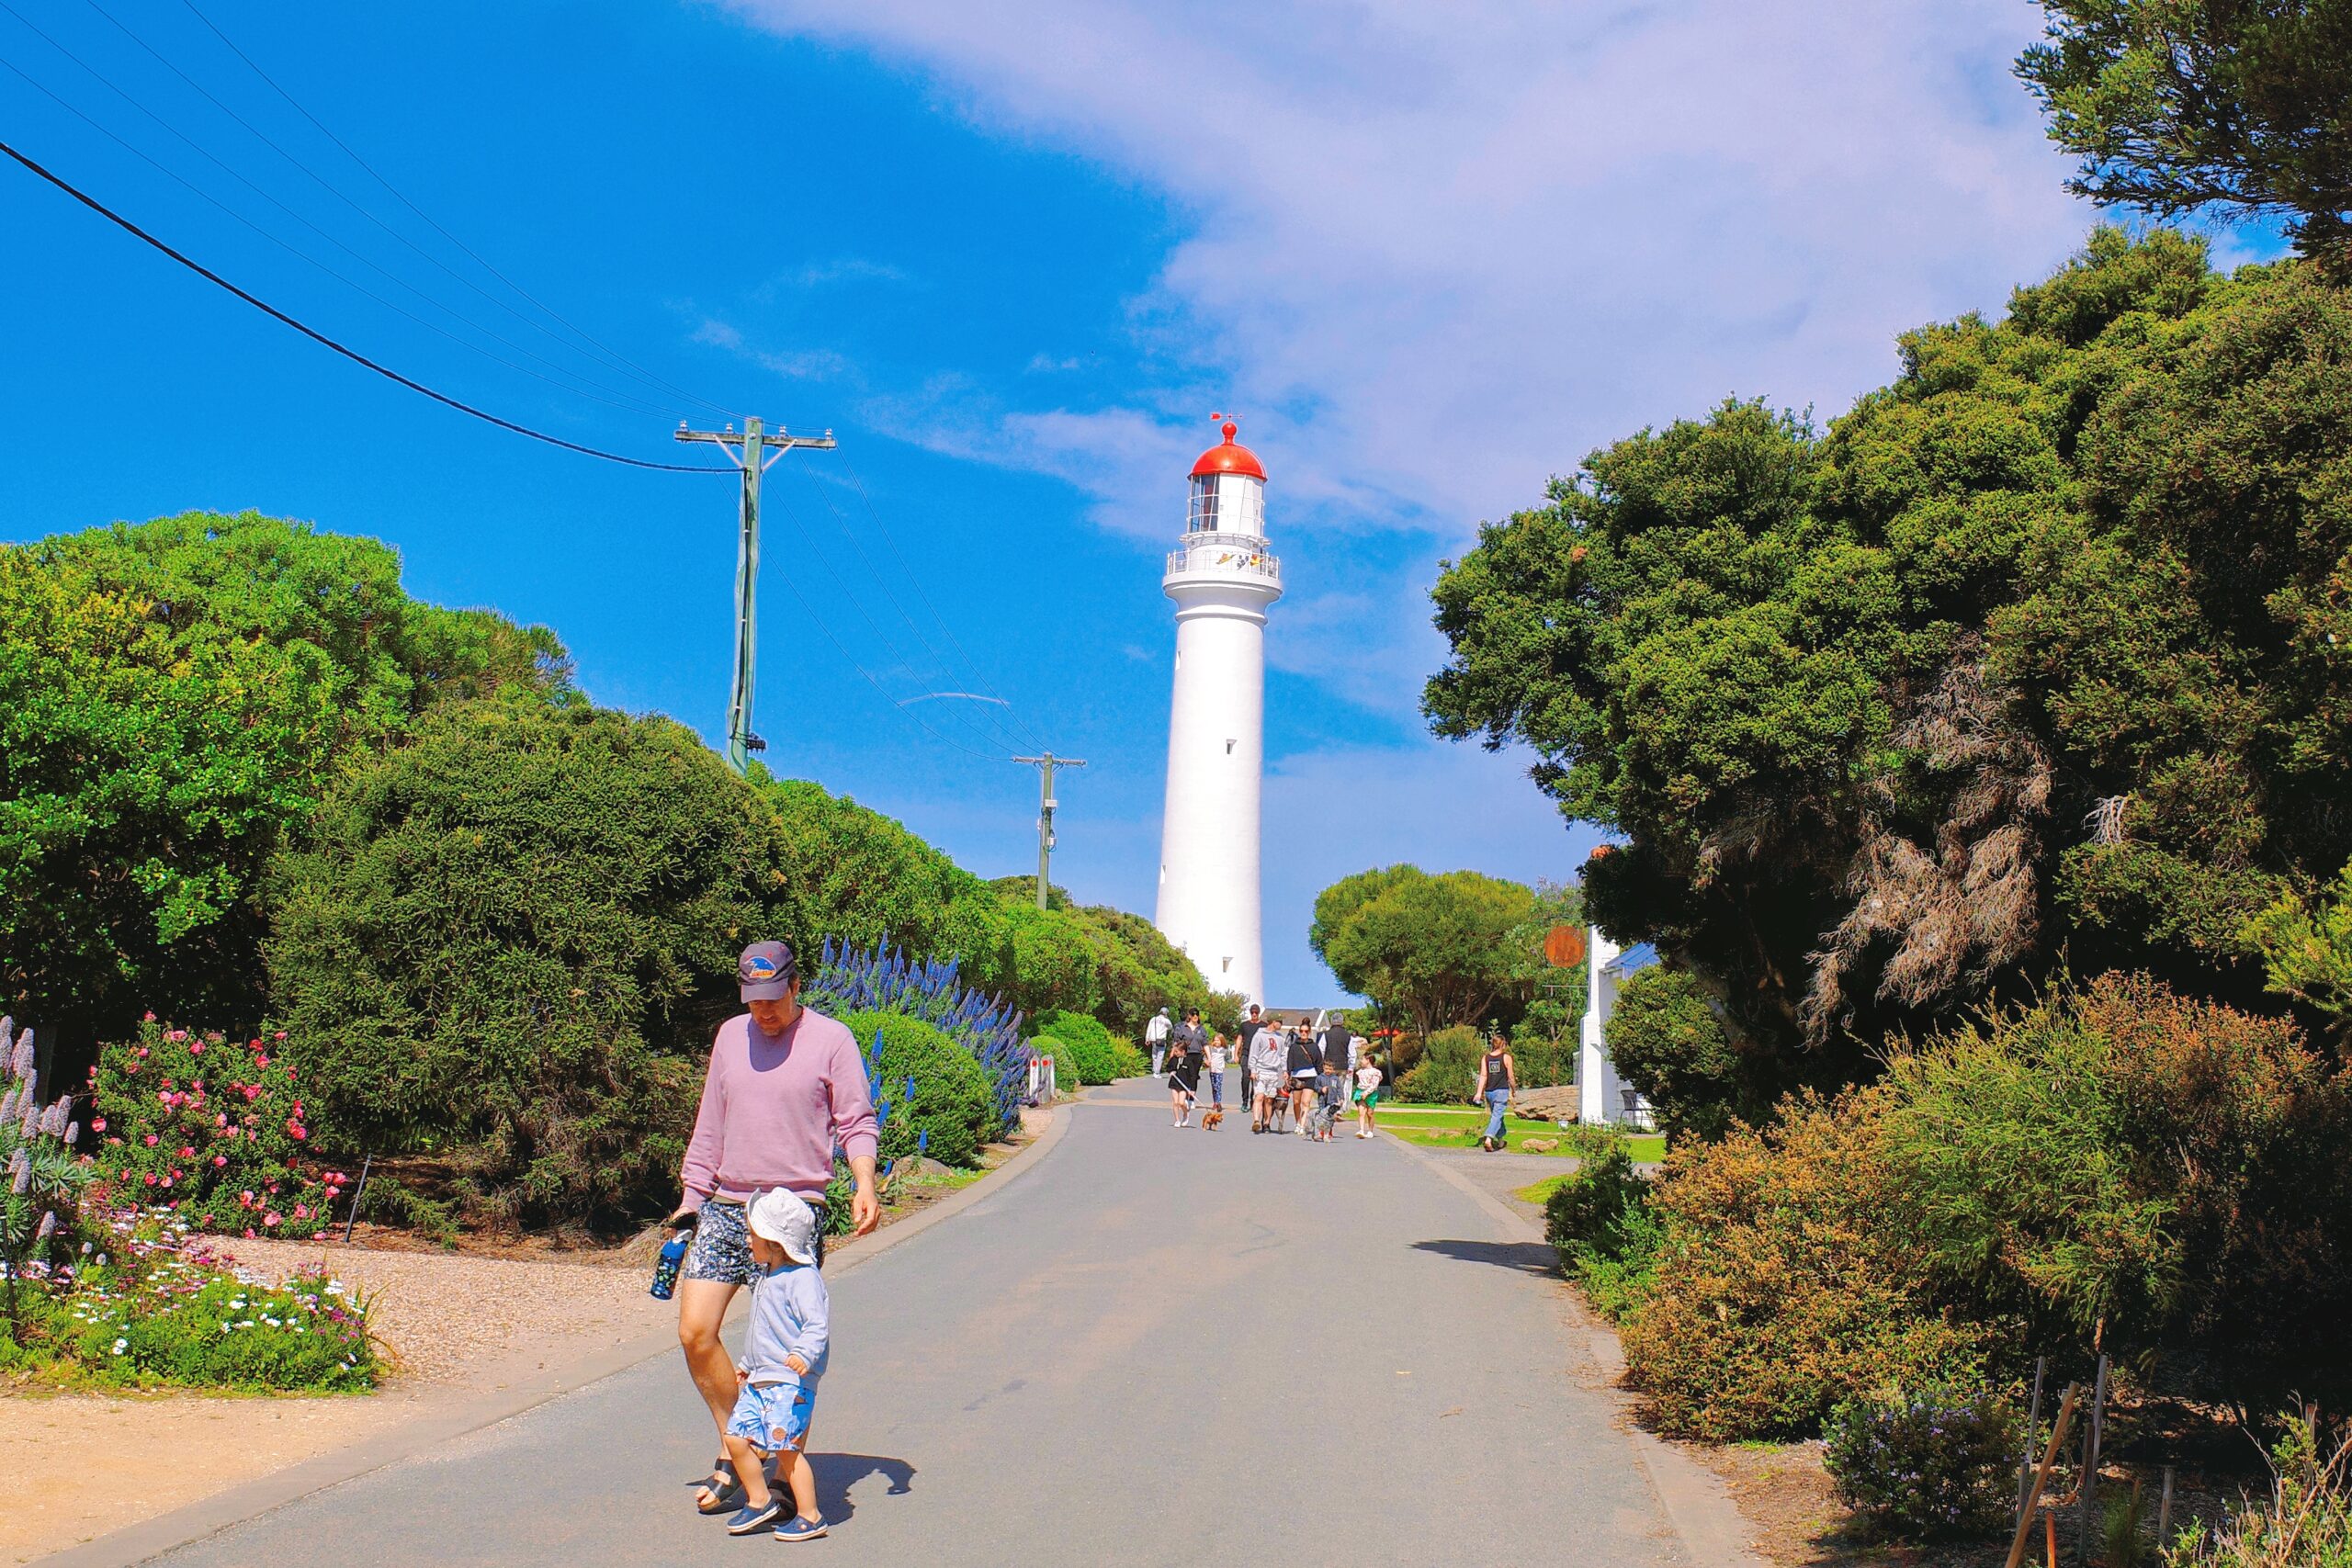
{"x":783,"y":1355}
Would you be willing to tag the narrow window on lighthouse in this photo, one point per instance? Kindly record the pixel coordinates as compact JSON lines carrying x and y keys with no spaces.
{"x":1203,"y":518}
{"x":1228,"y":748}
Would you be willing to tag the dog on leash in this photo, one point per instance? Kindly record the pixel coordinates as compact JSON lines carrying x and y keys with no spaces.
{"x":1215,"y":1115}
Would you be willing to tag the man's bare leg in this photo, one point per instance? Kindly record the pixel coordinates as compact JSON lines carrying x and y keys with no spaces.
{"x":702,"y":1308}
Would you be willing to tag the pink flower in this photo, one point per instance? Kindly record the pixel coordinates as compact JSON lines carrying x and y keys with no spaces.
{"x":289,"y":1075}
{"x":151,"y":1178}
{"x":149,"y":1018}
{"x":279,"y":1035}
{"x":219,"y":1120}
{"x":302,"y":1211}
{"x":297,"y":1133}
{"x":253,"y":1092}
{"x":260,"y":1060}
{"x":97,"y":1124}
{"x":196,"y":1049}
{"x":175,"y":1034}
{"x":220,"y":1160}
{"x":245,"y":1197}
{"x":187,"y":1153}
{"x":249,"y":1234}
{"x":143,"y":1053}
{"x":114,"y":1143}
{"x":270,"y":1218}
{"x":130,"y":1066}
{"x":152,"y":1140}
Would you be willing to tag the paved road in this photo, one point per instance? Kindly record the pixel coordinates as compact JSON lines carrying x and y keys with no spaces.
{"x":1150,"y":1346}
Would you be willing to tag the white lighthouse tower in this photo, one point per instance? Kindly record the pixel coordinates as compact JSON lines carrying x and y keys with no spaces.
{"x":1222,"y":576}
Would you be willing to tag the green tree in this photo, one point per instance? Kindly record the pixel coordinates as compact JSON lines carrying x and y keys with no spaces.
{"x":507,"y":943}
{"x":2307,"y":947}
{"x":1433,"y":950}
{"x":855,"y":874}
{"x":174,"y":696}
{"x":2178,"y":105}
{"x":2036,"y":650}
{"x":1666,"y":1039}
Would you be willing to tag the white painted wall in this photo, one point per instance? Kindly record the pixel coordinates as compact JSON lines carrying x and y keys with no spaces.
{"x":1209,"y":845}
{"x":1600,"y":1093}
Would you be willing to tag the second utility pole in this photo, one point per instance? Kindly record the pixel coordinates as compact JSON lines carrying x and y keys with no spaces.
{"x":1045,"y":802}
{"x":751,"y":452}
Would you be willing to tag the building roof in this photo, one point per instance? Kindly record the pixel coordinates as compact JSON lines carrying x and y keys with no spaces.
{"x":1641,"y":955}
{"x":1229,"y":458}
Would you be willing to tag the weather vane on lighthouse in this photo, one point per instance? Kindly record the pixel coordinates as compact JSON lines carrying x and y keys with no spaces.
{"x":1223,"y":575}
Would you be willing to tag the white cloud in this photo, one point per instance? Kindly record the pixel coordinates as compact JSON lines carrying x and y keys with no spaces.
{"x":1438,"y":252}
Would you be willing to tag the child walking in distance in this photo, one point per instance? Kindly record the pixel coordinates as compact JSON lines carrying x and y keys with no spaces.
{"x":1367,"y":1095}
{"x":783,"y":1355}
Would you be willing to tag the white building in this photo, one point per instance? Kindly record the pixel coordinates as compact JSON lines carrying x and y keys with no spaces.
{"x":1601,"y":1095}
{"x":1222,"y":575}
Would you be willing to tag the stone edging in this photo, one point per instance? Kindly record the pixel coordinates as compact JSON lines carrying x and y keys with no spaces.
{"x":208,"y":1516}
{"x":1696,"y":1504}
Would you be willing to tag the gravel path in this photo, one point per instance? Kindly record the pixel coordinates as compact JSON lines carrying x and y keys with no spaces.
{"x":445,"y":1317}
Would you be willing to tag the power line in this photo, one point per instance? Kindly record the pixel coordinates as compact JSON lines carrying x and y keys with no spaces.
{"x":332,"y":189}
{"x":572,"y":383}
{"x":125,"y":224}
{"x":615,"y":359}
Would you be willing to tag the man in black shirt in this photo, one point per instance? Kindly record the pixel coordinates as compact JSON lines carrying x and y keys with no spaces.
{"x":1332,"y":1081}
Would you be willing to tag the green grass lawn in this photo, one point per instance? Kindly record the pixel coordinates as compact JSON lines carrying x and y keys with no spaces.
{"x":1439,"y":1127}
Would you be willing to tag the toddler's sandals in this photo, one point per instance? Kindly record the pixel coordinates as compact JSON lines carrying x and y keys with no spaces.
{"x":749,"y":1519}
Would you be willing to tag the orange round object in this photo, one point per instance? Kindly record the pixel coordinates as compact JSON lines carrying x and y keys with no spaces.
{"x":1564,"y":946}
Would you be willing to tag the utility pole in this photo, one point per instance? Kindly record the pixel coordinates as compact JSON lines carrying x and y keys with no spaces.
{"x":751,"y":452}
{"x":1045,"y":802}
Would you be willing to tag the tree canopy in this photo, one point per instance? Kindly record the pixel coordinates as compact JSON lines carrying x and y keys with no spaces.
{"x":2038,"y":651}
{"x":1455,"y":948}
{"x":174,"y":697}
{"x":2178,"y":106}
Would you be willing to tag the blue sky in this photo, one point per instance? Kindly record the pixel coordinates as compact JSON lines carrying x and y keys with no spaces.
{"x":1427,"y":263}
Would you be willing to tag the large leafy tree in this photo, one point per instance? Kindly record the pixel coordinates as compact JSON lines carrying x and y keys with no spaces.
{"x":2178,"y":106}
{"x":507,"y":943}
{"x":2036,"y":652}
{"x":174,"y":697}
{"x":1432,"y":951}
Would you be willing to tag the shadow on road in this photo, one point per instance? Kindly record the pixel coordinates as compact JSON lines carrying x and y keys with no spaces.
{"x":1527,"y":1256}
{"x":836,"y":1473}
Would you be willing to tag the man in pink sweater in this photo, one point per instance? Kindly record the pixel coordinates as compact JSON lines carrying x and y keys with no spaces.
{"x":786,"y":1087}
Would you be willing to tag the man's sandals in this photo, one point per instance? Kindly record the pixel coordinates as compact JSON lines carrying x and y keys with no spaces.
{"x":720,"y":1492}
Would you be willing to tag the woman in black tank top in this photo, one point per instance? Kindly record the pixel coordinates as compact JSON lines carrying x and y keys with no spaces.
{"x":1496,"y":1078}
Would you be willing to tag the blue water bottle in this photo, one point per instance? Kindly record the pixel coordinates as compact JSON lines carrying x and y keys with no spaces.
{"x":666,"y":1268}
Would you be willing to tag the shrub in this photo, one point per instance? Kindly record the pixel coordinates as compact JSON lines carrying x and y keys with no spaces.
{"x":508,"y":944}
{"x":2305,"y":1521}
{"x":144,"y":1306}
{"x":213,"y":1128}
{"x":1782,"y":1288}
{"x":1938,"y":1460}
{"x":947,"y":1113}
{"x":1667,"y":1039}
{"x":1081,"y":1046}
{"x":44,"y":1176}
{"x":850,"y":980}
{"x":1599,"y":1219}
{"x":2116,"y":1161}
{"x":1446,"y":1070}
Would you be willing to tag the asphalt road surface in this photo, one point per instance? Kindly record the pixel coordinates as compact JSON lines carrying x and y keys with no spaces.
{"x":1148,"y":1347}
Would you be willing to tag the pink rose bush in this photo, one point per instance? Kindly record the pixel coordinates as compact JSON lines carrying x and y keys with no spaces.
{"x":209,"y":1129}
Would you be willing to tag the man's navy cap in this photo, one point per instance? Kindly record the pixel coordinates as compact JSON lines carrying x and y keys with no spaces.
{"x":767,"y":970}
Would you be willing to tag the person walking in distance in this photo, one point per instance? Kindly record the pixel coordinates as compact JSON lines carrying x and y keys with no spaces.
{"x":1332,"y":1082}
{"x":1155,"y":1034}
{"x":1367,"y":1077}
{"x":785,"y":1086}
{"x":1214,"y":1061}
{"x":1261,"y":1054}
{"x":1184,"y":1076}
{"x":1306,"y":1065}
{"x":1498,"y":1080}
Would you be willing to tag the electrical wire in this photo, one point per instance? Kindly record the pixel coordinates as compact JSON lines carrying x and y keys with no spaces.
{"x":612,"y":357}
{"x":330,"y":188}
{"x":619,"y":399}
{"x":119,"y":221}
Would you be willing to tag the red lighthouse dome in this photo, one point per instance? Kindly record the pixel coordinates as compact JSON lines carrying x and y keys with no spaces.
{"x":1229,"y":458}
